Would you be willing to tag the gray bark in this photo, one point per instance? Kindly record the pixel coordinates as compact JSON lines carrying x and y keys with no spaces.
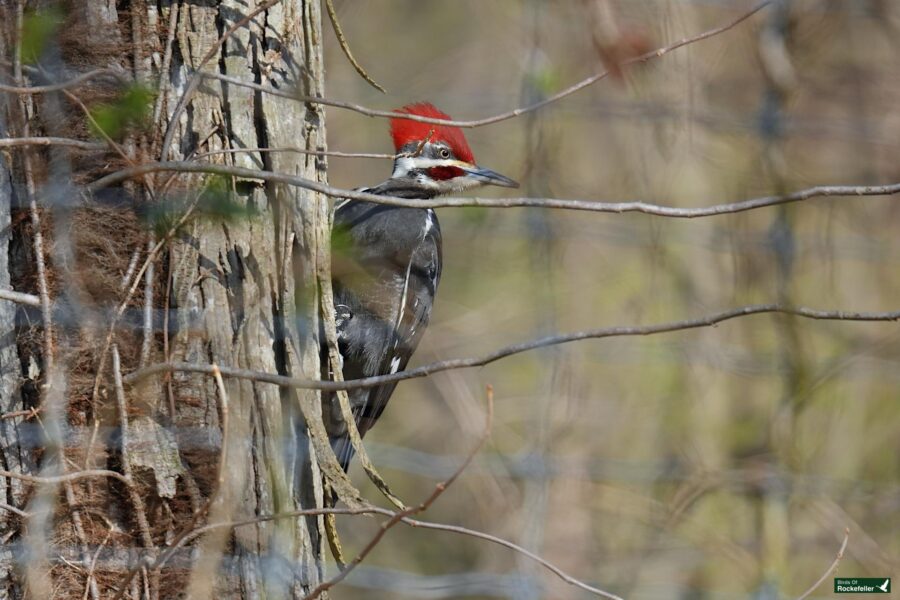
{"x":11,"y":453}
{"x":244,"y":290}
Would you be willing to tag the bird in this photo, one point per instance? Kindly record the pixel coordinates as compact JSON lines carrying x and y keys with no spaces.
{"x":387,"y":261}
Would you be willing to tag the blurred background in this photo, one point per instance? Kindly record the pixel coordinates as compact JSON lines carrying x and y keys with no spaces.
{"x":716,"y":463}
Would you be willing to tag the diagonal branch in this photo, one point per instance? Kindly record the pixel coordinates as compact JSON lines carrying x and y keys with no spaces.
{"x":830,"y":569}
{"x":326,"y":297}
{"x":399,"y":516}
{"x":577,"y":87}
{"x":543,"y":342}
{"x":19,"y":297}
{"x":345,"y":47}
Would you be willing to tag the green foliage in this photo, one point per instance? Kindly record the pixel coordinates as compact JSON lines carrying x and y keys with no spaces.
{"x":132,"y":109}
{"x":544,"y":80}
{"x":217,"y":202}
{"x":340,"y":241}
{"x":37,"y":29}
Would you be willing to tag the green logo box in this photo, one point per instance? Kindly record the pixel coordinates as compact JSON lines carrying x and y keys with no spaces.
{"x":862,"y":585}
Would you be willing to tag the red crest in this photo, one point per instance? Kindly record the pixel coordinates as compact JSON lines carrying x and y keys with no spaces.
{"x":405,"y":131}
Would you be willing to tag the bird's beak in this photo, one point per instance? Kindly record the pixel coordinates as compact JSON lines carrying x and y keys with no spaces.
{"x":488,"y":177}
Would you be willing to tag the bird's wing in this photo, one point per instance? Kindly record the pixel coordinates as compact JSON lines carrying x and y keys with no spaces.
{"x":416,"y":298}
{"x":386,"y":264}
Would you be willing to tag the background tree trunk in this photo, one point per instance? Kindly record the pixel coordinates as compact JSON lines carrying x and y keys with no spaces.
{"x":236,"y":290}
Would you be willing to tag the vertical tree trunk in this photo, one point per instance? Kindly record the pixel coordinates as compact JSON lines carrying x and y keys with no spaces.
{"x":228,"y":290}
{"x":243,"y":292}
{"x":11,"y":432}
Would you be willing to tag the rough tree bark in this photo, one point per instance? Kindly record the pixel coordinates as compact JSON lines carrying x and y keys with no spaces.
{"x":237,"y":291}
{"x":248,"y":286}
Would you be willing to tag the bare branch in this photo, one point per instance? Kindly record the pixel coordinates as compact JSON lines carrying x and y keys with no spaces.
{"x":13,"y":509}
{"x":345,"y":47}
{"x":67,"y":477}
{"x":559,"y":203}
{"x":300,"y":151}
{"x":399,"y":516}
{"x":20,"y":297}
{"x":163,"y":89}
{"x":370,"y":112}
{"x":554,"y":340}
{"x":830,"y":569}
{"x":186,"y":533}
{"x":514,"y":547}
{"x":326,"y":298}
{"x":91,"y":586}
{"x":369,"y":510}
{"x":149,"y":279}
{"x":37,"y":235}
{"x":50,"y":141}
{"x":63,"y":85}
{"x":98,"y":128}
{"x":30,"y":413}
{"x":121,"y":404}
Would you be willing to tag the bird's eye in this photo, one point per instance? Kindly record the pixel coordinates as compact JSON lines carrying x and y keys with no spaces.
{"x":444,"y":152}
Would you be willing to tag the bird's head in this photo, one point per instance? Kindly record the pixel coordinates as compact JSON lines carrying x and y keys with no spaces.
{"x":437,"y":158}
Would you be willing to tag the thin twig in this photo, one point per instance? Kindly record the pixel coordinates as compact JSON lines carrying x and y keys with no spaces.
{"x":223,"y":418}
{"x":136,"y":500}
{"x":132,"y":265}
{"x":50,"y":141}
{"x":371,"y":112}
{"x":370,"y":510}
{"x":186,"y":532}
{"x":297,"y":150}
{"x":557,"y":203}
{"x":74,"y":476}
{"x":345,"y":47}
{"x":44,"y":296}
{"x":439,"y":489}
{"x":38,"y":245}
{"x":20,"y":297}
{"x":98,"y":128}
{"x":831,"y":568}
{"x":63,"y":85}
{"x":22,"y":513}
{"x":92,"y":582}
{"x":149,"y":280}
{"x":220,"y":506}
{"x":30,"y":413}
{"x":78,"y":526}
{"x":123,"y":306}
{"x":544,"y":342}
{"x":514,"y":547}
{"x":170,"y":391}
{"x":174,"y":9}
{"x":326,"y":298}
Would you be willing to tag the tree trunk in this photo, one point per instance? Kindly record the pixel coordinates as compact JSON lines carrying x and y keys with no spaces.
{"x":243,"y":292}
{"x":234,"y":284}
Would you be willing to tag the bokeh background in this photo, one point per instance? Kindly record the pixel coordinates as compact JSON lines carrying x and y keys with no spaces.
{"x":716,"y":463}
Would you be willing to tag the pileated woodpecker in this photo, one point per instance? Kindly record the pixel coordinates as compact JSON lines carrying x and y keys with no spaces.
{"x":386,"y":263}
